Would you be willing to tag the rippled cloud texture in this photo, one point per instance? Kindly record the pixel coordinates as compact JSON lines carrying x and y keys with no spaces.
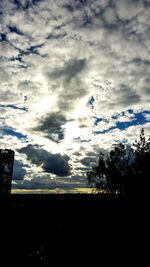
{"x":74,"y":79}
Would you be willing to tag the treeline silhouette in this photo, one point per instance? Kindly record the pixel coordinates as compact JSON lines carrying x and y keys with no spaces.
{"x":125,"y":169}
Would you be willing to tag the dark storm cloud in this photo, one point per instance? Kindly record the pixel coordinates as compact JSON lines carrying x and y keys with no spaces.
{"x":88,"y":161}
{"x":123,"y":96}
{"x":127,"y":96}
{"x":91,"y":154}
{"x":147,"y":91}
{"x":51,"y":163}
{"x":129,"y":100}
{"x":69,"y":76}
{"x":70,"y":69}
{"x":71,"y":94}
{"x":140,"y":62}
{"x":83,"y":169}
{"x":147,"y":3}
{"x":19,"y":170}
{"x":52,"y":126}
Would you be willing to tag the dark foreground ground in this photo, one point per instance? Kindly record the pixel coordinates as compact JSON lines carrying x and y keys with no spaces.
{"x":73,"y":229}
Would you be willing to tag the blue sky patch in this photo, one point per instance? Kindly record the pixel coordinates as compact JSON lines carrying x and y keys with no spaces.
{"x":3,"y":37}
{"x":13,"y":107}
{"x":138,"y":119}
{"x":33,"y":49}
{"x":97,"y":120}
{"x":91,"y":102}
{"x":15,"y":30}
{"x":9,"y":131}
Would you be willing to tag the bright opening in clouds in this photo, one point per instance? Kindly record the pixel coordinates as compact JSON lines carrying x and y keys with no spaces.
{"x":74,"y":79}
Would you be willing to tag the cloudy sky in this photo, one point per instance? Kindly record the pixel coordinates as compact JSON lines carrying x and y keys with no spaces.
{"x":74,"y":79}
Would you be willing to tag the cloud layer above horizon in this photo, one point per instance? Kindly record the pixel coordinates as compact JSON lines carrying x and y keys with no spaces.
{"x":74,"y":79}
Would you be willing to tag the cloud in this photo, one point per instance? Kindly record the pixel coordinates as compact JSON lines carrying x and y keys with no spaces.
{"x":4,"y":76}
{"x":19,"y":170}
{"x":38,"y":182}
{"x":68,"y":83}
{"x":127,"y":96}
{"x":52,"y":126}
{"x":128,"y":9}
{"x":7,"y":51}
{"x":88,"y":161}
{"x":69,"y":71}
{"x":51,"y":163}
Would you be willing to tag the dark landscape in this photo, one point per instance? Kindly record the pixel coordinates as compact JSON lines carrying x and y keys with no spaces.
{"x":40,"y":229}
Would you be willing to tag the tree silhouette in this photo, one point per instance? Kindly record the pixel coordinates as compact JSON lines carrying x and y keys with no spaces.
{"x":124,"y":170}
{"x":142,"y":146}
{"x":97,"y":177}
{"x":142,"y":152}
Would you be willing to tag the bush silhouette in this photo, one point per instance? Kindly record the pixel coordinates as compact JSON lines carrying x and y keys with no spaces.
{"x":124,"y":169}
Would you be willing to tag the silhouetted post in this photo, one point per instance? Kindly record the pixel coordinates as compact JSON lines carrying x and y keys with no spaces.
{"x":6,"y":170}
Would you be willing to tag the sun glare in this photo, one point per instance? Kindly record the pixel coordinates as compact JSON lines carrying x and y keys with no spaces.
{"x":46,"y":103}
{"x":72,"y":130}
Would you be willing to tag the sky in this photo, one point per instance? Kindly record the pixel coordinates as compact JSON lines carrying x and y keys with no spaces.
{"x":74,"y":81}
